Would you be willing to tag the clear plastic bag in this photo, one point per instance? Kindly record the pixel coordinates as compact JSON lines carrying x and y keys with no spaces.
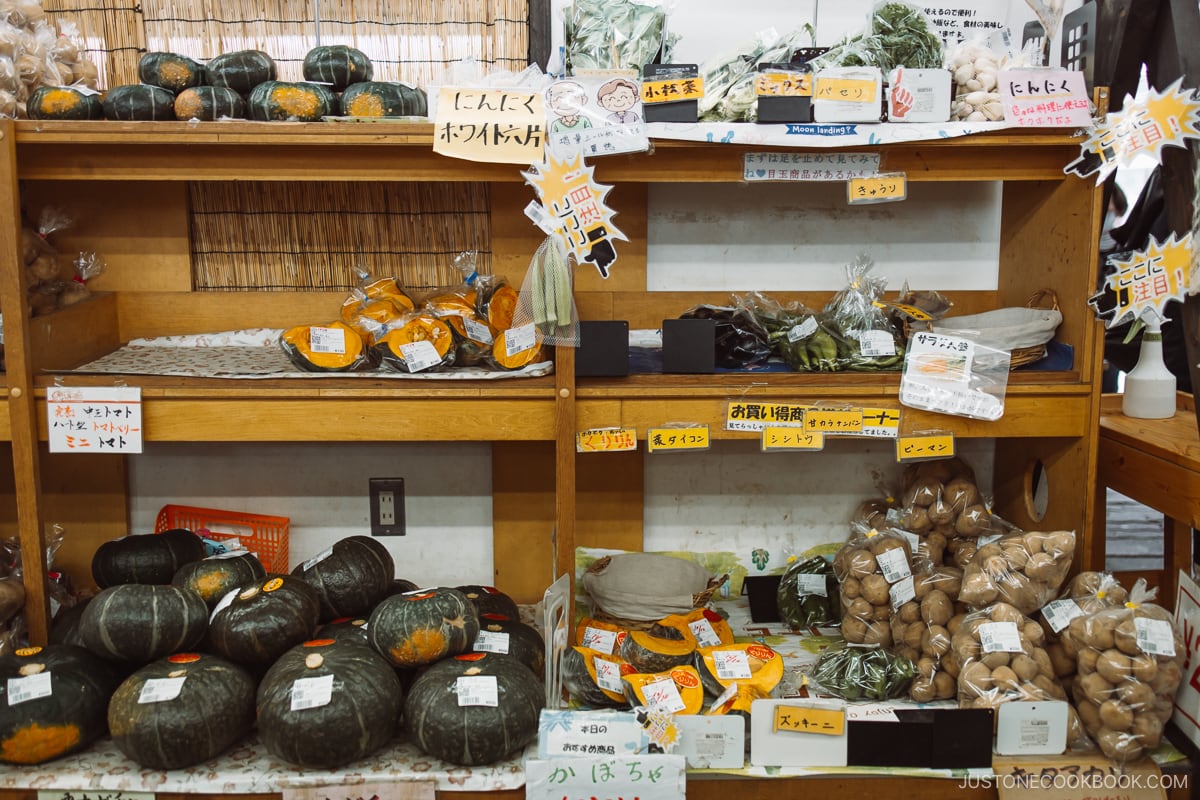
{"x":920,"y":630}
{"x":874,"y":572}
{"x":87,"y":266}
{"x":863,"y":673}
{"x":806,"y":593}
{"x":865,"y":339}
{"x":1025,"y":570}
{"x":1087,"y":593}
{"x":898,"y":35}
{"x":615,"y":34}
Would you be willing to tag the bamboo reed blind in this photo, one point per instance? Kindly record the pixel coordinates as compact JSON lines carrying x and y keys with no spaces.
{"x":287,"y":236}
{"x":408,"y":40}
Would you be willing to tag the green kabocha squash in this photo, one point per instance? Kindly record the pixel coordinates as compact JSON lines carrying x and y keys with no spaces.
{"x":138,"y":623}
{"x":214,"y":577}
{"x":345,"y":630}
{"x":501,"y":634}
{"x":652,"y":654}
{"x":145,"y":558}
{"x":357,"y":719}
{"x":64,"y":628}
{"x":241,"y":70}
{"x":419,"y":343}
{"x":402,"y":585}
{"x":338,"y":64}
{"x":335,"y":347}
{"x":350,"y":577}
{"x":423,"y":627}
{"x":208,"y":103}
{"x":170,"y":71}
{"x":447,"y":716}
{"x":280,"y":101}
{"x":806,"y":592}
{"x":63,"y":102}
{"x":490,"y":600}
{"x":383,"y":99}
{"x":594,"y":679}
{"x":182,"y":710}
{"x":53,"y":701}
{"x":256,"y":624}
{"x":139,"y":102}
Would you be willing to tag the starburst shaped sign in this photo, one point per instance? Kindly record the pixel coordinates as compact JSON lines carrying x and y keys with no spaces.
{"x":1146,"y":124}
{"x":1145,"y":282}
{"x":573,"y":206}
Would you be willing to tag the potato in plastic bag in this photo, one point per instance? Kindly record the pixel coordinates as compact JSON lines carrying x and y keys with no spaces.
{"x":1025,"y":570}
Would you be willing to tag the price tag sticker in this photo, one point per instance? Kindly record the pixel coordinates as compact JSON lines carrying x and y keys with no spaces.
{"x":491,"y":642}
{"x":312,"y":692}
{"x":784,"y":439}
{"x":160,"y":690}
{"x":608,"y":676}
{"x":914,"y":541}
{"x":845,"y":90}
{"x":419,"y":356}
{"x":477,"y":331}
{"x":317,"y":559}
{"x":477,"y":690}
{"x":600,"y":640}
{"x":518,"y":340}
{"x":893,"y":565}
{"x":876,"y":344}
{"x":549,"y":223}
{"x":921,"y":448}
{"x":327,"y":340}
{"x":725,"y":696}
{"x":731,"y":664}
{"x":802,"y":719}
{"x":1000,"y":637}
{"x":706,"y":635}
{"x":890,"y":187}
{"x":693,"y":437}
{"x":1059,"y":613}
{"x":29,"y":687}
{"x":840,"y":420}
{"x":606,"y":440}
{"x":223,"y":604}
{"x":1155,"y":637}
{"x":802,"y":331}
{"x":663,"y":695}
{"x":985,"y":540}
{"x":809,"y":585}
{"x":902,"y":591}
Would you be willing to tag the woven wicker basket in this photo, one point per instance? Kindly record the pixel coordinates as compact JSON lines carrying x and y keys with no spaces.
{"x":699,"y":600}
{"x":1039,"y":328}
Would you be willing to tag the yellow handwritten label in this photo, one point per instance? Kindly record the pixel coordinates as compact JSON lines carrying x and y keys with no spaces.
{"x":779,"y":439}
{"x":908,"y":310}
{"x":839,"y":420}
{"x":784,"y":84}
{"x":799,"y":719}
{"x":505,"y":126}
{"x":675,"y":439}
{"x":916,"y":448}
{"x":672,"y":90}
{"x":748,"y":416}
{"x":606,"y":440}
{"x":845,"y":90}
{"x":877,"y":189}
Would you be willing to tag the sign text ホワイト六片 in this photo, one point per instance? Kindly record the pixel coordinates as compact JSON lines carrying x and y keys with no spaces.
{"x":494,"y":125}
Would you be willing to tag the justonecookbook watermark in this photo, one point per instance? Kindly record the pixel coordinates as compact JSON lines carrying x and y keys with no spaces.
{"x":1092,"y":779}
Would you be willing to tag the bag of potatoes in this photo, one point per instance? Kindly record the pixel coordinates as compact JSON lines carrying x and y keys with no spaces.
{"x":874,"y":572}
{"x":942,"y":498}
{"x":1087,"y":593}
{"x":1025,"y":570}
{"x":920,"y":630}
{"x":1128,"y":671}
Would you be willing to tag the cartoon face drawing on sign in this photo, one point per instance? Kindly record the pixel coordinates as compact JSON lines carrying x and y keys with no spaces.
{"x":566,"y":99}
{"x":618,"y":97}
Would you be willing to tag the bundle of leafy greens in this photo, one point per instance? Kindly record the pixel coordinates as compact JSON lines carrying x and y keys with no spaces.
{"x":900,"y":36}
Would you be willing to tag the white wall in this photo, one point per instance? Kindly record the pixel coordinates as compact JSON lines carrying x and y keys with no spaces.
{"x":322,"y":488}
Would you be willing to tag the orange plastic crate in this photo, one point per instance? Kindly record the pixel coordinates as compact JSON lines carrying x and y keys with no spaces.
{"x":266,"y":536}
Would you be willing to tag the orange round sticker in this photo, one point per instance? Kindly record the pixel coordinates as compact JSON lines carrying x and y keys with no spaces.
{"x":628,"y":669}
{"x":28,"y":651}
{"x":319,"y":642}
{"x":761,"y":652}
{"x":183,"y":658}
{"x":684,"y":679}
{"x":272,"y":584}
{"x":496,"y":617}
{"x":471,"y":657}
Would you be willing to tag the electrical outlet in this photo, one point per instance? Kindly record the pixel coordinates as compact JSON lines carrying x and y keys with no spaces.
{"x":387,"y":506}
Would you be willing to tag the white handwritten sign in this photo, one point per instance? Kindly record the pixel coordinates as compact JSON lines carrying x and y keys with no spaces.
{"x":370,"y":790}
{"x":648,"y":777}
{"x":94,"y":419}
{"x":1045,"y":98}
{"x":507,"y":126}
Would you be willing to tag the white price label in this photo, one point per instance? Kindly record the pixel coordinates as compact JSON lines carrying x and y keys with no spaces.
{"x":518,"y":340}
{"x":420,"y":356}
{"x":477,"y":331}
{"x":549,"y":223}
{"x":491,"y":642}
{"x":317,"y":559}
{"x":986,"y":540}
{"x":327,"y":340}
{"x":875,"y":344}
{"x":663,"y":695}
{"x":600,"y":640}
{"x":803,"y":330}
{"x":1155,"y":637}
{"x":914,"y":541}
{"x":1000,"y":637}
{"x":30,"y":687}
{"x":902,"y":591}
{"x":725,"y":696}
{"x":705,"y":633}
{"x":809,"y":585}
{"x":223,"y":604}
{"x":1034,"y":732}
{"x":1059,"y":613}
{"x":312,"y":692}
{"x":159,"y":690}
{"x":608,"y":676}
{"x":893,"y":565}
{"x":477,"y":690}
{"x":731,"y":665}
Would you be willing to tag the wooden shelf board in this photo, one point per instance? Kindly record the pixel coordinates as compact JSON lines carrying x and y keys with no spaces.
{"x":767,"y":384}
